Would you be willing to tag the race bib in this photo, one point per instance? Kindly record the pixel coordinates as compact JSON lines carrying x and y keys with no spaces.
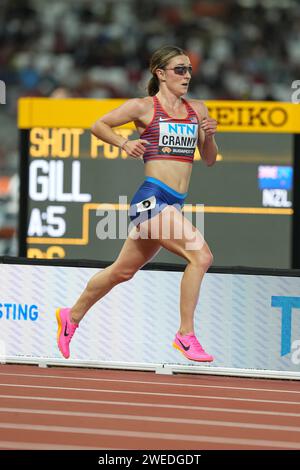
{"x":146,"y":205}
{"x":178,"y":139}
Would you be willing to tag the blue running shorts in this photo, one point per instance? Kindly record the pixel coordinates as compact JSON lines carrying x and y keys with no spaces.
{"x":151,"y":198}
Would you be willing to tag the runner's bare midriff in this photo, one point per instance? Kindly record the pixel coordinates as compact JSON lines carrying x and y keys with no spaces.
{"x":174,"y":174}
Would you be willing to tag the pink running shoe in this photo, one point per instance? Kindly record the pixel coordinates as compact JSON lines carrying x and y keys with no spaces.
{"x":66,"y":330}
{"x":190,"y":347}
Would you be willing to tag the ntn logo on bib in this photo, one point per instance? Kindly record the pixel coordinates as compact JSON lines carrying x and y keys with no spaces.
{"x":177,"y":138}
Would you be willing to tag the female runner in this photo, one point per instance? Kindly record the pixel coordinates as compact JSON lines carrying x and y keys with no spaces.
{"x":170,"y":129}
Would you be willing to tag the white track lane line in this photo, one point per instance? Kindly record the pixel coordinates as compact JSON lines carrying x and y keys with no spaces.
{"x":150,"y":405}
{"x":152,"y":419}
{"x":171,"y":384}
{"x":126,"y":392}
{"x":152,"y":435}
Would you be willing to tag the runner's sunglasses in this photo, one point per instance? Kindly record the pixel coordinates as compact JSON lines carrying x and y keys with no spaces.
{"x":182,"y":69}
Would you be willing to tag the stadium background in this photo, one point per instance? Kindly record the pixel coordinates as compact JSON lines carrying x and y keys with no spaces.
{"x":247,"y":51}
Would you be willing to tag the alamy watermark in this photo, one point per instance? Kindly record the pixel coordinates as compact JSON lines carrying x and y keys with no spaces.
{"x":296,"y":94}
{"x":153,"y":221}
{"x":2,"y":92}
{"x":295,"y":357}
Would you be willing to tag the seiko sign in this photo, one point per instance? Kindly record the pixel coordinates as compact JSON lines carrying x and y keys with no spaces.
{"x":250,"y":116}
{"x":232,"y":116}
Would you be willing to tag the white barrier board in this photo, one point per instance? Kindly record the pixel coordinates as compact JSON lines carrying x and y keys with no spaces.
{"x":244,"y":321}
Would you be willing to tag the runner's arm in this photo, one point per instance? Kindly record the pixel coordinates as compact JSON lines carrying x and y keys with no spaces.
{"x":207,"y":128}
{"x":130,"y":111}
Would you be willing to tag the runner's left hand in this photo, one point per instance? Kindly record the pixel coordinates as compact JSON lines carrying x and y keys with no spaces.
{"x":209,"y":125}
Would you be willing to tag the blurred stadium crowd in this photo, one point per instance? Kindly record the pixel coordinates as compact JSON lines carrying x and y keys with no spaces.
{"x":240,"y":49}
{"x":244,"y":49}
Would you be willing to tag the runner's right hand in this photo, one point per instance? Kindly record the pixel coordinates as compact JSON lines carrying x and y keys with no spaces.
{"x":135,"y":148}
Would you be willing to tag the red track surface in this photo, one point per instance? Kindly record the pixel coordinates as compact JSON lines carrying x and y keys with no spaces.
{"x":73,"y":408}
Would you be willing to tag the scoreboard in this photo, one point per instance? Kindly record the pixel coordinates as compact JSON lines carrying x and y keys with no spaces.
{"x":76,"y":189}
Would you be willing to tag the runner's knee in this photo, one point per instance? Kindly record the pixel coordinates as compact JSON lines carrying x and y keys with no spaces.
{"x":120,"y":273}
{"x":201,"y":259}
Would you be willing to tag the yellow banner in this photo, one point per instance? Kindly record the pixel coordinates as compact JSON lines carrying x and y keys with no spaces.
{"x":232,"y":116}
